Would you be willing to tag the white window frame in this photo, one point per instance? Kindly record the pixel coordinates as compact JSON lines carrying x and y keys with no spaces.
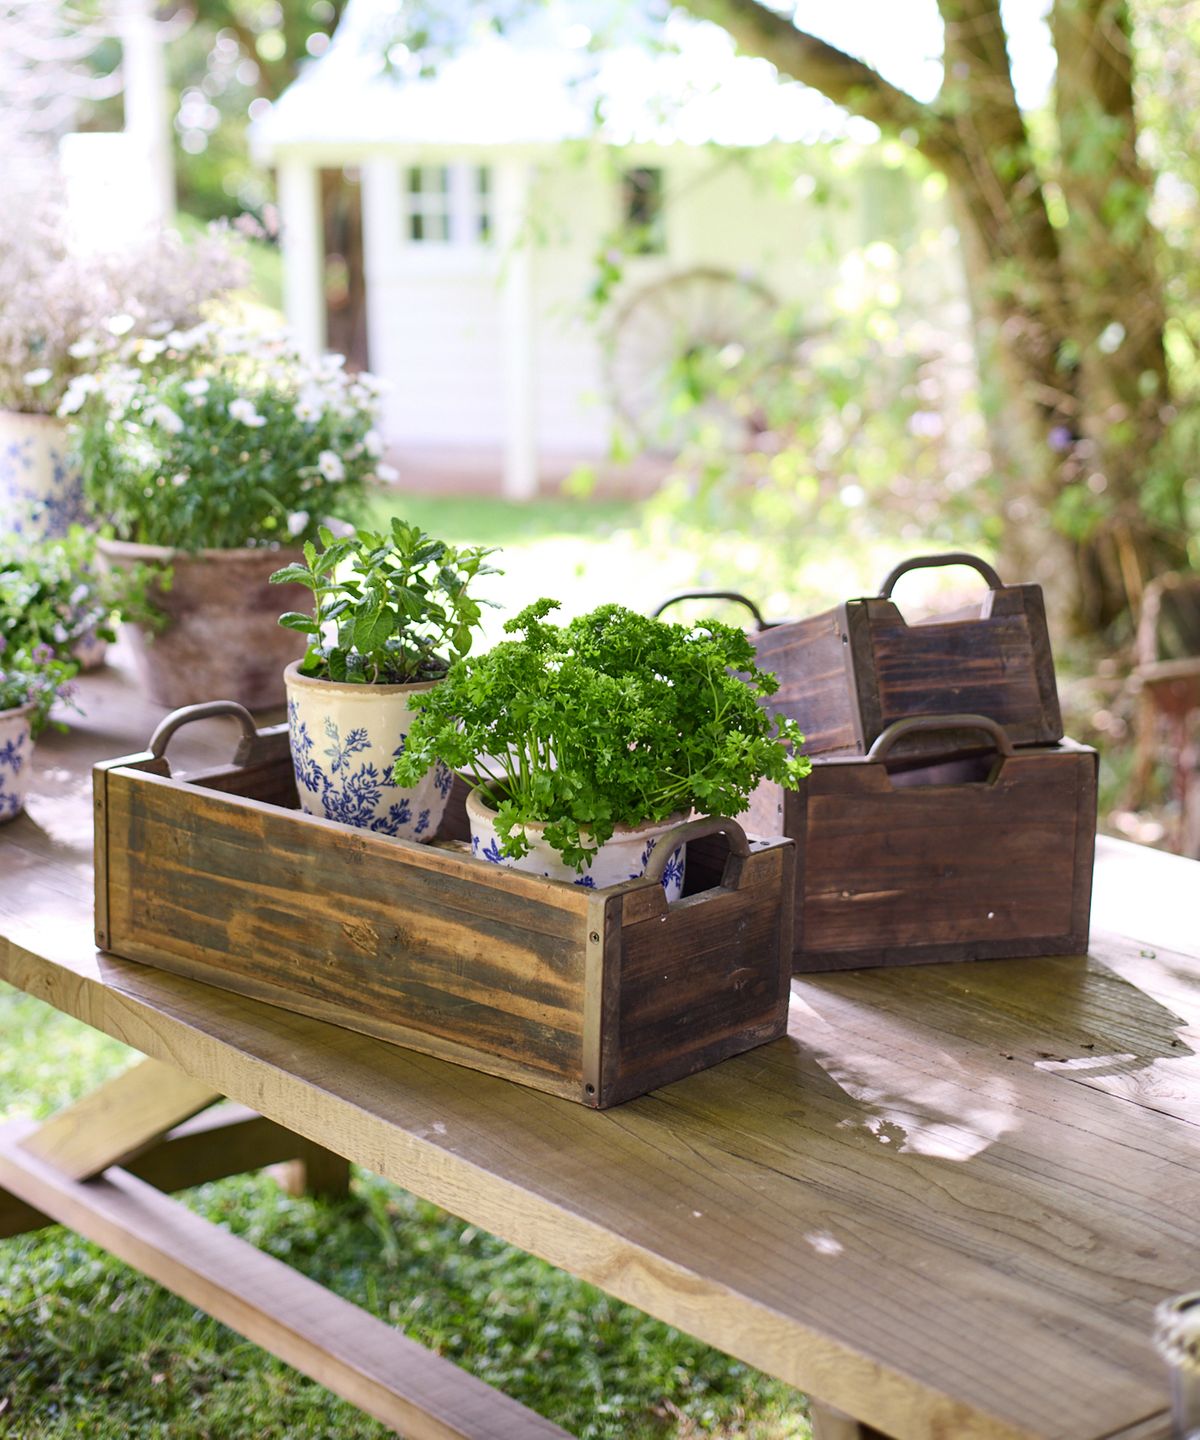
{"x":463,"y":211}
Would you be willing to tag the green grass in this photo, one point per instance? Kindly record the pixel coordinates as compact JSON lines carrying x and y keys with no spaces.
{"x":90,"y":1348}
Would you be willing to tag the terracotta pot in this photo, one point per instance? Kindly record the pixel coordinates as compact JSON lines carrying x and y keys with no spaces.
{"x":344,"y":739}
{"x":223,"y":640}
{"x":41,"y":490}
{"x":624,"y":857}
{"x":16,"y":749}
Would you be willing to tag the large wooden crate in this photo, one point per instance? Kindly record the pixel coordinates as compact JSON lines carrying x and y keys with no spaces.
{"x":972,"y":857}
{"x":597,"y":995}
{"x":845,"y":675}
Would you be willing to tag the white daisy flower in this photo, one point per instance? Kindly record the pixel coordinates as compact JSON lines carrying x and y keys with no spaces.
{"x":83,"y":349}
{"x":373,"y":444}
{"x":195,"y":388}
{"x":164,"y":416}
{"x":330,"y":465}
{"x":243,"y":410}
{"x":119,"y":324}
{"x":38,"y":376}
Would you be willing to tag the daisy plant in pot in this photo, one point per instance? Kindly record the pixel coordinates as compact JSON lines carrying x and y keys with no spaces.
{"x":391,"y":613}
{"x":64,"y":309}
{"x":587,"y":743}
{"x":215,"y":453}
{"x":31,"y":679}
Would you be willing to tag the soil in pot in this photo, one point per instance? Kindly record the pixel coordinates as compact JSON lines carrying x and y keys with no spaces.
{"x":624,"y":857}
{"x":222,"y":640}
{"x":344,"y":741}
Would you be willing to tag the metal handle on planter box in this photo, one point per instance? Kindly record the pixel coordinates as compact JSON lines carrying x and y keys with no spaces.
{"x":248,"y":745}
{"x":696,"y":830}
{"x":933,"y":562}
{"x":735,"y":595}
{"x":914,"y":724}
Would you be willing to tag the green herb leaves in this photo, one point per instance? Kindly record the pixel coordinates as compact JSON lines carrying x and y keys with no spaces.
{"x":387,"y":609}
{"x":612,"y":719}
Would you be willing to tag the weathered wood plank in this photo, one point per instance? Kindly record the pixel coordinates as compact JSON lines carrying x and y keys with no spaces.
{"x":118,"y":1119}
{"x":847,"y":673}
{"x":353,"y":1354}
{"x":891,"y":872}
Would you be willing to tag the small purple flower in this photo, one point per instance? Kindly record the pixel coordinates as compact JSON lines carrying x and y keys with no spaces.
{"x":1060,"y":439}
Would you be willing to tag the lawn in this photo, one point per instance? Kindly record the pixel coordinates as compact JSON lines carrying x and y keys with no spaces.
{"x":90,"y":1348}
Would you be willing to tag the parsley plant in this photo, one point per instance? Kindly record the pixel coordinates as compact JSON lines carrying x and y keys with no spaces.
{"x":612,"y":719}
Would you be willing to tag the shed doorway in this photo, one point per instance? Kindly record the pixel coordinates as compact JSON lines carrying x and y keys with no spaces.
{"x":343,"y":274}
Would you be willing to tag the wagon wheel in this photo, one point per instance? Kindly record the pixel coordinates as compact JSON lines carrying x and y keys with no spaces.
{"x":670,"y":338}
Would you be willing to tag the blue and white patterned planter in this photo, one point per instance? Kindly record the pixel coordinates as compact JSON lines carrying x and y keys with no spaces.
{"x":344,"y":740}
{"x":41,"y":490}
{"x":624,"y":857}
{"x":16,"y":750}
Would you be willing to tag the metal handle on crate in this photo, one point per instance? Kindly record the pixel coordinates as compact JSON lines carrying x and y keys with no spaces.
{"x":247,"y":745}
{"x":696,"y":830}
{"x":933,"y":562}
{"x":914,"y":724}
{"x":735,"y":595}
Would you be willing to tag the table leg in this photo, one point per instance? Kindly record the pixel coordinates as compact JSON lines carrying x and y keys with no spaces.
{"x":830,"y":1424}
{"x":119,"y":1119}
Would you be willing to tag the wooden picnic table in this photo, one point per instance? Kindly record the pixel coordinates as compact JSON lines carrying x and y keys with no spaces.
{"x":946,"y":1204}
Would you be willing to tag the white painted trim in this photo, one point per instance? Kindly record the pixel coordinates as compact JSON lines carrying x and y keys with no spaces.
{"x":511,"y":182}
{"x":303,"y":261}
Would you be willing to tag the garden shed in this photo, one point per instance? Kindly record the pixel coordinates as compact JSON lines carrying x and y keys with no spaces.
{"x":446,"y":214}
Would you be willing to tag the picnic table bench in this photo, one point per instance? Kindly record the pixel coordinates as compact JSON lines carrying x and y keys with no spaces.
{"x":944,"y":1205}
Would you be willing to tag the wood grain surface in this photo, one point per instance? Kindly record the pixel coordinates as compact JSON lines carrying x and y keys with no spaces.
{"x":946,"y":1203}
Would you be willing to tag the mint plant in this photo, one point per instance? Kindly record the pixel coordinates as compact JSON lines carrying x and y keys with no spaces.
{"x":388,"y":609}
{"x":612,"y":719}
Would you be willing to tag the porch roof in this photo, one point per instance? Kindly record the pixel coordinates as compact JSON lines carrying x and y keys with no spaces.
{"x":551,"y":77}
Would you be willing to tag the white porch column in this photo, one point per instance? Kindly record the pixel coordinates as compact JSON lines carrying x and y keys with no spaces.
{"x":303,"y":258}
{"x":520,"y":413}
{"x":147,"y":110}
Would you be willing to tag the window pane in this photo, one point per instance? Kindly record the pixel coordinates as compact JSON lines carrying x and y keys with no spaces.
{"x":483,"y":187}
{"x":642,"y":203}
{"x":414,"y":180}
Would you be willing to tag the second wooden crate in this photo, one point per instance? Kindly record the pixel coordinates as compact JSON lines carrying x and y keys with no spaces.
{"x":971,"y":857}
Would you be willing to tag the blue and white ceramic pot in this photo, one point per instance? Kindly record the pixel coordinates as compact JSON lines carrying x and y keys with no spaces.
{"x":41,"y":490}
{"x":624,"y":857}
{"x":344,"y":740}
{"x":16,"y":749}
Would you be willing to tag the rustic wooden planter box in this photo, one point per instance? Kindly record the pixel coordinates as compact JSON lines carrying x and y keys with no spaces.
{"x":847,"y":674}
{"x":967,"y":858}
{"x":596,"y":995}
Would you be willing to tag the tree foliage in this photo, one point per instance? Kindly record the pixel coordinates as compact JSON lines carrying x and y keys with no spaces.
{"x":1068,"y":280}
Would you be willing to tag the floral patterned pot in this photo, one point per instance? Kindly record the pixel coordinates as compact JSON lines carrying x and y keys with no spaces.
{"x":223,"y":640}
{"x":624,"y":857}
{"x":344,"y":739}
{"x":41,"y":490}
{"x":16,"y":748}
